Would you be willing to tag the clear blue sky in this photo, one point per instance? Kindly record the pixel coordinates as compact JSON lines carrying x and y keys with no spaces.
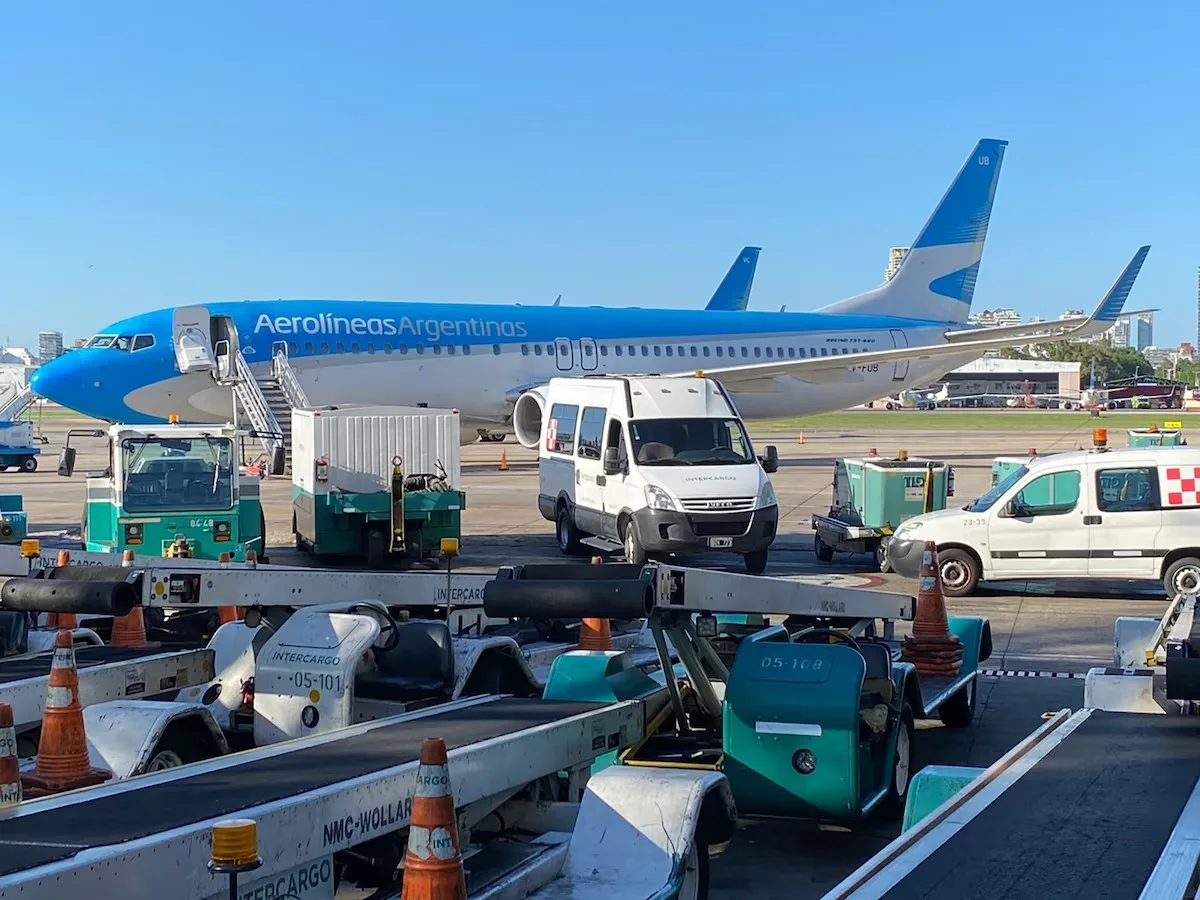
{"x":620,"y":153}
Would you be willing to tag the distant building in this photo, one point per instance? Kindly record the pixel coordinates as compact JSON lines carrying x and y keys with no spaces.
{"x":50,"y":345}
{"x":895,"y":257}
{"x":17,"y":356}
{"x":996,"y":375}
{"x":992,"y":318}
{"x":1141,"y":331}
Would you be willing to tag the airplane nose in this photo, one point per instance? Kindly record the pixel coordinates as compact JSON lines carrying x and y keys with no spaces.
{"x":59,"y":381}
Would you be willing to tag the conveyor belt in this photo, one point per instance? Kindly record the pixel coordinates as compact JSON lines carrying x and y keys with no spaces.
{"x":85,"y":657}
{"x":35,"y":840}
{"x":1088,"y":820}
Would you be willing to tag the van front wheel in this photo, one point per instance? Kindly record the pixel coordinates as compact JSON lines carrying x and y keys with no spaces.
{"x":635,"y":553}
{"x":756,"y":562}
{"x":1182,"y":577}
{"x":959,"y":571}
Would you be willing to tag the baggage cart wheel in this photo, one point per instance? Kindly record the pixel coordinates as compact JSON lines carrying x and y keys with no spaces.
{"x":892,"y":806}
{"x":695,"y":872}
{"x":881,"y":559}
{"x":959,"y":709}
{"x":377,"y":548}
{"x":29,"y":464}
{"x":823,"y":550}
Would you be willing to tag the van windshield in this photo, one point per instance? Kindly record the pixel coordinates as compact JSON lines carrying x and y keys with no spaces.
{"x":690,"y":442}
{"x":988,"y":500}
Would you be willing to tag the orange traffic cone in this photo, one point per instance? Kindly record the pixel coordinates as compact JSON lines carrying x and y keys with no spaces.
{"x":62,"y":620}
{"x":595,"y":634}
{"x":433,"y":867}
{"x":931,"y":647}
{"x":129,"y":630}
{"x":503,"y":460}
{"x":62,"y":761}
{"x":10,"y":768}
{"x":800,"y":438}
{"x":226,"y":614}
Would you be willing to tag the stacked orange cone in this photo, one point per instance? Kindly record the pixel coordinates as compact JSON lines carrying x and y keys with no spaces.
{"x":10,"y":767}
{"x":595,"y":634}
{"x":931,"y":648}
{"x":433,"y":867}
{"x":503,"y":460}
{"x":62,"y":761}
{"x":227,"y":614}
{"x":62,"y":620}
{"x":129,"y":630}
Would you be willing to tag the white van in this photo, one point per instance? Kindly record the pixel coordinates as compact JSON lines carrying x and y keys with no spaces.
{"x":653,"y":465}
{"x":1088,"y":514}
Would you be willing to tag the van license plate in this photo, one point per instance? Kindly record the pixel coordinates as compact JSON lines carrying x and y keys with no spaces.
{"x":720,"y":542}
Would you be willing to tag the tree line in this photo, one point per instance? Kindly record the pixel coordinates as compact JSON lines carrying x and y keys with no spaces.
{"x":1111,"y":362}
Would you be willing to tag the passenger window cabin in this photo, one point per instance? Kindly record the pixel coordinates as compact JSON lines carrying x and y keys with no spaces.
{"x":591,"y":432}
{"x":560,"y":428}
{"x":1128,"y":490}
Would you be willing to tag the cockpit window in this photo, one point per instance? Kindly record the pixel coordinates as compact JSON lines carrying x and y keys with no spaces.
{"x":122,"y":343}
{"x":101,"y":340}
{"x":143,"y":342}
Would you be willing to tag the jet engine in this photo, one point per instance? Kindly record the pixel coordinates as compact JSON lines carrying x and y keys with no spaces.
{"x":527,"y":416}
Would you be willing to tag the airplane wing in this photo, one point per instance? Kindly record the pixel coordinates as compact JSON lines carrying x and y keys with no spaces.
{"x":848,"y":367}
{"x":1034,"y":328}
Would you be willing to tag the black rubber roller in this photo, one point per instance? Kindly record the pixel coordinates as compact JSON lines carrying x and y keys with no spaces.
{"x":91,"y":573}
{"x":569,"y":599}
{"x":102,"y":598}
{"x":576,"y":572}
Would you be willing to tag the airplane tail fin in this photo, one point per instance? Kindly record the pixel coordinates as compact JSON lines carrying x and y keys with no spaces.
{"x":733,"y":293}
{"x":936,"y":280}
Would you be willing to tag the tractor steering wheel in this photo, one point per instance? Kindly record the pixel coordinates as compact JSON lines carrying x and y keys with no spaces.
{"x":389,"y":629}
{"x":839,"y":636}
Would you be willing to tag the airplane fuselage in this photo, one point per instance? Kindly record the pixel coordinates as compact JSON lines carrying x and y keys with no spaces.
{"x":479,"y":358}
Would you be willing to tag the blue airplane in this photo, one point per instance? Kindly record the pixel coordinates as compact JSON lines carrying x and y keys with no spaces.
{"x":492,"y":362}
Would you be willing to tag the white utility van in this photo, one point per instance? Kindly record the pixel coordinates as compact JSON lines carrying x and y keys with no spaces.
{"x":1087,"y":514}
{"x":653,"y":465}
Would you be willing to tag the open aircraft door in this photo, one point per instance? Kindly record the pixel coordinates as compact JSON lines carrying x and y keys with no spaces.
{"x":226,"y":346}
{"x":192,"y":339}
{"x":204,"y":343}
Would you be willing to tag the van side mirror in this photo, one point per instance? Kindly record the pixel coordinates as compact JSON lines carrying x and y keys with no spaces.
{"x":278,"y":460}
{"x":1011,"y":509}
{"x":770,"y":462}
{"x":66,"y":462}
{"x":612,"y":461}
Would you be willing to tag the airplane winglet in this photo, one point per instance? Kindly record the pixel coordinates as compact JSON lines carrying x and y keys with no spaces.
{"x":1110,"y":307}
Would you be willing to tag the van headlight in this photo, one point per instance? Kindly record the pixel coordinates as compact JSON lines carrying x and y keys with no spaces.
{"x":907,"y":530}
{"x":657,"y":498}
{"x":766,"y":495}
